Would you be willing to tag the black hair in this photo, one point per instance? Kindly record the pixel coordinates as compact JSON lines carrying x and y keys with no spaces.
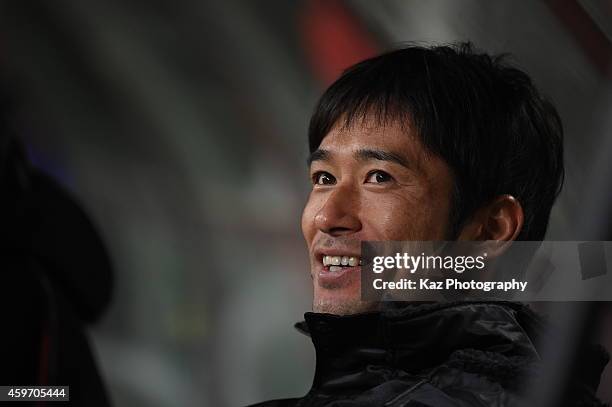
{"x":482,"y":116}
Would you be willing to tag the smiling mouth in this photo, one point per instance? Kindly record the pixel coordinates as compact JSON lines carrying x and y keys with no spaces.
{"x":338,"y":263}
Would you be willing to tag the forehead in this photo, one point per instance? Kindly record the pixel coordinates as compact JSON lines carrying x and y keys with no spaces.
{"x":369,"y":133}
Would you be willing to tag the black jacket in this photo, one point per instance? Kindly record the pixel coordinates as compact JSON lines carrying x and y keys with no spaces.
{"x":428,"y":355}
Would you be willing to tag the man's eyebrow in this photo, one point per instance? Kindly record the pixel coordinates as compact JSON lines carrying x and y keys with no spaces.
{"x":381,"y":155}
{"x":318,"y":155}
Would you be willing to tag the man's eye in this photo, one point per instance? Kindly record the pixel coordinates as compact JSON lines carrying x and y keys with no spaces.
{"x":323,"y":178}
{"x":377,"y":177}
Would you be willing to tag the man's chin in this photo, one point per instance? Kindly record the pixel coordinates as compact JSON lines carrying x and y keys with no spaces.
{"x":341,"y":298}
{"x":342,"y":306}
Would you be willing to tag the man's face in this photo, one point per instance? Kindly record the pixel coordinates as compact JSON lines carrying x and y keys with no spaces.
{"x":370,"y":182}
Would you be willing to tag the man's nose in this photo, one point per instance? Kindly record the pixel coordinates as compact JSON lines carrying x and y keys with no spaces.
{"x":339,"y":214}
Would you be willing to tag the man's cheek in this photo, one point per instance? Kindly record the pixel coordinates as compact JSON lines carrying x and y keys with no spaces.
{"x":308,"y":220}
{"x":391,"y":220}
{"x":305,"y":226}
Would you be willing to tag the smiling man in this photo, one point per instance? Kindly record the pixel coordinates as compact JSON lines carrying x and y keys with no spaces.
{"x":371,"y":181}
{"x":426,"y":144}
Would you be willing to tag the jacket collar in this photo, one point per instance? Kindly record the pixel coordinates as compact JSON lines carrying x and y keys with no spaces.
{"x":415,"y":336}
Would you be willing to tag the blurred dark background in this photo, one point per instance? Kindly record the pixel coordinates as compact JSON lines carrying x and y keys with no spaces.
{"x":181,"y":128}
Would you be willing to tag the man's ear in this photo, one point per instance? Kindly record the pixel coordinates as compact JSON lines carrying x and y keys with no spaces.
{"x":501,"y":219}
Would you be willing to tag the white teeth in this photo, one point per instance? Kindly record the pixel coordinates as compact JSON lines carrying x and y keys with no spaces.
{"x":335,"y":268}
{"x":341,"y":260}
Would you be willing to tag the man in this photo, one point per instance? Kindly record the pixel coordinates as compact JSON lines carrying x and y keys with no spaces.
{"x":425,"y":144}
